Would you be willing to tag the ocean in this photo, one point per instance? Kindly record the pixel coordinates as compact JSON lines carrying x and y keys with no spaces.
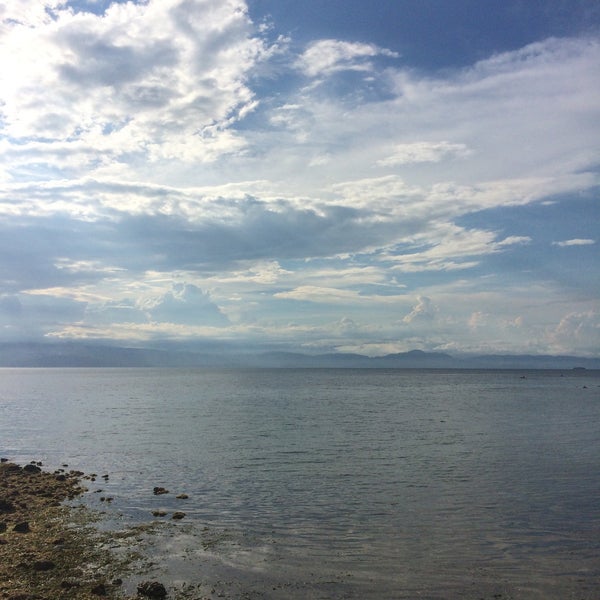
{"x":334,"y":483}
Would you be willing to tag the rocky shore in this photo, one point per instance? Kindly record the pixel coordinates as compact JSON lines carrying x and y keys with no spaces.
{"x":43,"y":554}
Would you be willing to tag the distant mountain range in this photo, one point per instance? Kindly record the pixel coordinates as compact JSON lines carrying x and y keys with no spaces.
{"x":73,"y":354}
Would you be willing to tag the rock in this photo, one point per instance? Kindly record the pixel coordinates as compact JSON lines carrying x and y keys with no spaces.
{"x":61,"y":477}
{"x":31,"y":469}
{"x":22,"y":527}
{"x":152,"y":589}
{"x":67,"y":585}
{"x":159,"y":513}
{"x":43,"y":565}
{"x":178,"y":515}
{"x":3,"y":460}
{"x":99,"y":590}
{"x":182,"y":497}
{"x":2,"y":526}
{"x":6,"y":506}
{"x":160,"y":490}
{"x":118,"y":581}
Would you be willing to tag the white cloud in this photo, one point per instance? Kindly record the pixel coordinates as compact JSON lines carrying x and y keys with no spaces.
{"x":418,"y":152}
{"x":324,"y":57}
{"x":184,"y":303}
{"x":574,"y":242}
{"x":450,"y":248}
{"x":580,"y":329}
{"x":424,"y":309}
{"x":155,"y":80}
{"x":334,"y":296}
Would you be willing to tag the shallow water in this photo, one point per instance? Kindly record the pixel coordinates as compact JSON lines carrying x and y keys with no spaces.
{"x":336,"y":483}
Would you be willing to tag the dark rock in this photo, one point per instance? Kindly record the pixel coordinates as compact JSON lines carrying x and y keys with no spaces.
{"x":159,"y":513}
{"x":99,"y":590}
{"x":3,"y":460}
{"x":61,"y":477}
{"x":182,"y":497}
{"x":118,"y":581}
{"x":22,"y":527}
{"x":152,"y":589}
{"x":31,"y":469}
{"x":178,"y":515}
{"x":67,"y":585}
{"x":160,"y":490}
{"x":6,"y":506}
{"x":2,"y":526}
{"x":43,"y":565}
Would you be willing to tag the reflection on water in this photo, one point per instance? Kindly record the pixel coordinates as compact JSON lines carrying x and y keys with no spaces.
{"x":337,"y":483}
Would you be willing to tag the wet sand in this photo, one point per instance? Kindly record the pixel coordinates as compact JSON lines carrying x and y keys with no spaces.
{"x":49,"y":551}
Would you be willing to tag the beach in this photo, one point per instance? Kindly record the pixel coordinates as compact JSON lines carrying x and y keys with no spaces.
{"x":49,"y":550}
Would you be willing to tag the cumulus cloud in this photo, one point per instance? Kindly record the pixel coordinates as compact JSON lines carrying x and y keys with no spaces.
{"x":185,"y":304}
{"x":577,"y":328}
{"x":423,"y":310}
{"x":156,"y":79}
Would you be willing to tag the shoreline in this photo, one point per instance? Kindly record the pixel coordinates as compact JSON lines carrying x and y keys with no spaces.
{"x":49,"y":550}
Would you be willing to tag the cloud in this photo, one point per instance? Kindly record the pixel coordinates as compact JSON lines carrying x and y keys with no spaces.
{"x":334,"y":296}
{"x":167,"y":170}
{"x":577,"y":328}
{"x":185,"y":304}
{"x":450,"y":248}
{"x":574,"y":242}
{"x":144,"y":80}
{"x":418,"y":152}
{"x":423,"y":310}
{"x":324,"y":57}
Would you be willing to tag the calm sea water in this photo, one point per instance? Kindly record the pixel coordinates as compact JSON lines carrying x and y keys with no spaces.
{"x":336,"y":483}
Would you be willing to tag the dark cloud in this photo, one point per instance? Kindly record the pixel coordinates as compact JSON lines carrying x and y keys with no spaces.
{"x":35,"y":249}
{"x":32,"y":316}
{"x":261,"y":233}
{"x":100,"y":63}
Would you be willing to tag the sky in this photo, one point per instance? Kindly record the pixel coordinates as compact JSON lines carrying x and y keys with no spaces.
{"x":318,"y":176}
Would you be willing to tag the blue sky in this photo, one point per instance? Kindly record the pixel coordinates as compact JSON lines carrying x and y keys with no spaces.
{"x":339,"y":175}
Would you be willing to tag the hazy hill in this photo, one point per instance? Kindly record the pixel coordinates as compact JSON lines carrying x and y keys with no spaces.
{"x":74,"y":354}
